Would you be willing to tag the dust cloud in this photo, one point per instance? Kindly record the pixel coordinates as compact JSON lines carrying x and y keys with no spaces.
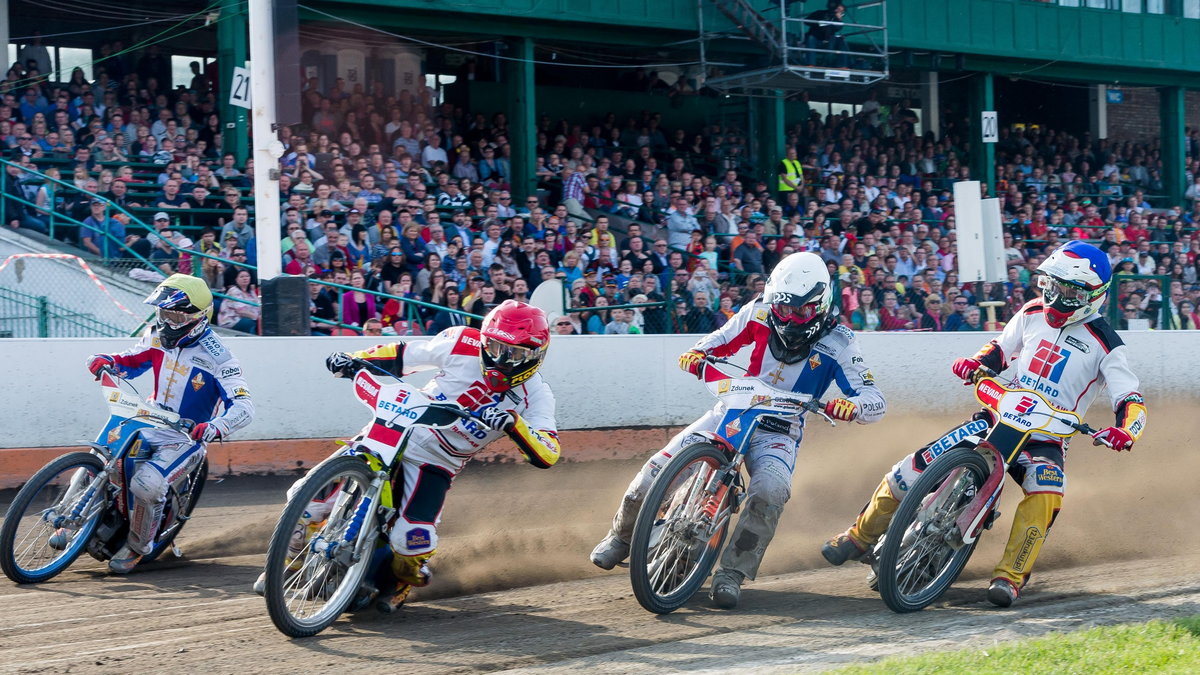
{"x":506,"y":526}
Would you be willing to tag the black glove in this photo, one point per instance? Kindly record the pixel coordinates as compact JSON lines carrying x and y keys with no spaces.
{"x":495,"y":418}
{"x":340,"y":364}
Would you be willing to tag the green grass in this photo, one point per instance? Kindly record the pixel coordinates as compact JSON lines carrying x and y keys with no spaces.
{"x":1157,"y":646}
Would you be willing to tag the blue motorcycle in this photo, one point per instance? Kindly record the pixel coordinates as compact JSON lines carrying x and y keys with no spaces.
{"x":78,"y":502}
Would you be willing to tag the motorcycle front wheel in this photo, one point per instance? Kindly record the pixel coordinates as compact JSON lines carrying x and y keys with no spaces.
{"x":918,"y":561}
{"x":314,"y":562}
{"x":52,"y":518}
{"x":673,"y":548}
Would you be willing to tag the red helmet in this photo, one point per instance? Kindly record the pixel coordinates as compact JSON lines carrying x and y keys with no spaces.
{"x":513,"y":341}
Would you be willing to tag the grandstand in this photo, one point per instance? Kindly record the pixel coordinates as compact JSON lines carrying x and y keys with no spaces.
{"x":640,"y":152}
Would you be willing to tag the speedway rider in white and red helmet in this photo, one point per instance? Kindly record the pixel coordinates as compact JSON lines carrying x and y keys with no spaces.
{"x":795,"y":344}
{"x":493,"y":371}
{"x":1060,"y":346}
{"x":194,"y":375}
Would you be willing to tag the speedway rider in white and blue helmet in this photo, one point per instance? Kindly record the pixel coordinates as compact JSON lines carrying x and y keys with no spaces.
{"x":195,"y":376}
{"x":1060,"y":346}
{"x":795,"y":344}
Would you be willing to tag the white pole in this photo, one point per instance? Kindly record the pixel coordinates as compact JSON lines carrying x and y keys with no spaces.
{"x":4,"y":36}
{"x":266,"y":148}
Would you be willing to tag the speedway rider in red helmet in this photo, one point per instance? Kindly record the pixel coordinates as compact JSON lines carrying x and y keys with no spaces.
{"x":1059,"y":345}
{"x":492,"y":370}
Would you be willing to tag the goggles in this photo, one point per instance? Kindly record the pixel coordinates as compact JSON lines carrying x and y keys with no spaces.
{"x":1064,"y":294}
{"x":505,"y":354}
{"x":795,"y":314}
{"x":176,"y":319}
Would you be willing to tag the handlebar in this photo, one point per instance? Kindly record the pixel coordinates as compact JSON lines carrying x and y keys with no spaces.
{"x":183,"y":426}
{"x":460,"y":412}
{"x":817,"y":408}
{"x":983,"y":371}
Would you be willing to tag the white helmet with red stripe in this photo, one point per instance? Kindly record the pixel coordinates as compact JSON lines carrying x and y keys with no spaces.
{"x":801,"y":299}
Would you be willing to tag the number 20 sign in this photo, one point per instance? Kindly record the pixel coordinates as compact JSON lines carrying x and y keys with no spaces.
{"x":239,"y":92}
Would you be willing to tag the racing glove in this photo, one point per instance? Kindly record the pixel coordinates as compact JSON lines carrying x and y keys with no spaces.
{"x":98,"y":361}
{"x":841,"y":409}
{"x":1117,"y":438}
{"x":340,"y":364}
{"x":497,"y":419}
{"x":692,"y":361}
{"x":205,"y":432}
{"x":965,"y":368}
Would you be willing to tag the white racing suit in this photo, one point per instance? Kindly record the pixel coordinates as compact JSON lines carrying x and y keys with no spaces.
{"x":201,"y":381}
{"x":434,"y":457}
{"x":1069,"y":366}
{"x":771,"y":459}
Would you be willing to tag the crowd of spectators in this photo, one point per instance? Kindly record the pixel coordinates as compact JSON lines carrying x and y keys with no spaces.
{"x":389,"y":197}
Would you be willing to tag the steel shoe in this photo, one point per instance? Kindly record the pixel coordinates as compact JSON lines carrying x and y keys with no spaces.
{"x":610,"y":552}
{"x":727,"y":588}
{"x":842,"y":548}
{"x":124,"y":561}
{"x":1002,"y":592}
{"x":386,"y":603}
{"x":260,"y":584}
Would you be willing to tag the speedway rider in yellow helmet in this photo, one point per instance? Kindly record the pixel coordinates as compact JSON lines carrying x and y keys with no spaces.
{"x":1059,"y":345}
{"x":194,"y":375}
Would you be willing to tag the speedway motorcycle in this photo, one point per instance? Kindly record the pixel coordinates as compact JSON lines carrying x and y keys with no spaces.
{"x":938,"y":523}
{"x":79,"y":501}
{"x":324,"y":560}
{"x":685,"y":516}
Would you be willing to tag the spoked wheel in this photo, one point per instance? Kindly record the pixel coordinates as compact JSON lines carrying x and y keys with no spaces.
{"x":185,"y":505}
{"x":52,"y":517}
{"x":315,"y":561}
{"x":674,"y":543}
{"x":918,"y":560}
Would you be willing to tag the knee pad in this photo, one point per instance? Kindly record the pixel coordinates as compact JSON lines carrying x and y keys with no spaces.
{"x":770,"y":485}
{"x":411,"y":539}
{"x":902,"y":476}
{"x":1044,"y":478}
{"x":148,"y":485}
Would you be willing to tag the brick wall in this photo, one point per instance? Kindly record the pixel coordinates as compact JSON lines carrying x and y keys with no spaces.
{"x":1137,"y":118}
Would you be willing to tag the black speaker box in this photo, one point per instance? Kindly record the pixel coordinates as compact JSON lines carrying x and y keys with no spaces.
{"x":285,"y":306}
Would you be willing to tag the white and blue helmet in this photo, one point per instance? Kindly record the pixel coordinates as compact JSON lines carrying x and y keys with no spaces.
{"x":1074,"y":280}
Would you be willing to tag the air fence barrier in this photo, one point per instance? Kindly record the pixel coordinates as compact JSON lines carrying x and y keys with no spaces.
{"x":617,"y":396}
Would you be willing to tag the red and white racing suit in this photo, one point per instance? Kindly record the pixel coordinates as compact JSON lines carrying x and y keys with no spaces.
{"x":434,"y":457}
{"x":771,"y":459}
{"x":198,"y":382}
{"x":1069,"y":366}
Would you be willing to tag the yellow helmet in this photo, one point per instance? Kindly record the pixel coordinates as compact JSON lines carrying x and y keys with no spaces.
{"x":184,"y":308}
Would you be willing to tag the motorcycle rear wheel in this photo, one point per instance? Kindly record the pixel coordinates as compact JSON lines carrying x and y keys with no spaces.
{"x":28,"y":552}
{"x":308,"y":590}
{"x":916,"y":562}
{"x":668,"y":563}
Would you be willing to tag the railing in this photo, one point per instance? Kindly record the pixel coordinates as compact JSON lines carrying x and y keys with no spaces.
{"x":26,"y":316}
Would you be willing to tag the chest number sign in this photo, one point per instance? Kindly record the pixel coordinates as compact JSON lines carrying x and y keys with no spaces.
{"x":239,"y":91}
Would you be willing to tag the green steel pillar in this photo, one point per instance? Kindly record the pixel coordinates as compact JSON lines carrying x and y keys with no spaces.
{"x":232,"y":51}
{"x":773,"y":138}
{"x":983,"y":155}
{"x":522,"y":118}
{"x":1171,"y":119}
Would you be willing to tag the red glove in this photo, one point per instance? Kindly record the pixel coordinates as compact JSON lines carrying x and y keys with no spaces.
{"x":841,"y":409}
{"x":692,"y":361}
{"x":1116,"y":438}
{"x":98,"y":361}
{"x":965,"y":369}
{"x":205,"y":432}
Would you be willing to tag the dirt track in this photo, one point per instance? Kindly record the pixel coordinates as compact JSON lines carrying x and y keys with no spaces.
{"x":514,"y":589}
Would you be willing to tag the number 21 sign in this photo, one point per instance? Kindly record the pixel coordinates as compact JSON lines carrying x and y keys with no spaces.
{"x":239,"y":92}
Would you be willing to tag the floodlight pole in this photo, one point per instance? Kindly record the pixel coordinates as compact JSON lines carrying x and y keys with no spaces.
{"x":265,"y":146}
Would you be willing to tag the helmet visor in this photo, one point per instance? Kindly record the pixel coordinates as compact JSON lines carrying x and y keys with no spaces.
{"x":507,"y":356}
{"x":1062,"y":293}
{"x":796,"y":314}
{"x":174,"y":318}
